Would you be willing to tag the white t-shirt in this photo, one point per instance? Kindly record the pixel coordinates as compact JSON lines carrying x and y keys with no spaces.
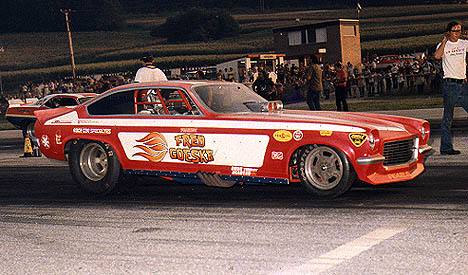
{"x":454,"y":59}
{"x":149,"y":73}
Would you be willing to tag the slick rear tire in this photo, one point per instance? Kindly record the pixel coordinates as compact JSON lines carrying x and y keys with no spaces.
{"x":28,"y":129}
{"x":94,"y":166}
{"x":325,"y":171}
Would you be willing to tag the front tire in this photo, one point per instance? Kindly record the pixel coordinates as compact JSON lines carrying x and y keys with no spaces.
{"x":324,"y":171}
{"x":94,"y":166}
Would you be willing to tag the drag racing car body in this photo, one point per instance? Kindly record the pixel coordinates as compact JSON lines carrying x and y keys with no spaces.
{"x":222,"y":133}
{"x":22,"y":116}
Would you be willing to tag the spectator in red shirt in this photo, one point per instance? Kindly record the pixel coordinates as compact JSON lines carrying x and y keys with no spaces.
{"x":340,"y":88}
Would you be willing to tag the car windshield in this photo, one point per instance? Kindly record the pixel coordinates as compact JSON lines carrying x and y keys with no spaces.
{"x":230,"y":98}
{"x":42,"y":100}
{"x":84,"y":99}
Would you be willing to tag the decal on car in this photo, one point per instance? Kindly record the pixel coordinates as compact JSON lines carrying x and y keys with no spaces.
{"x":325,"y":133}
{"x":154,"y":147}
{"x":45,"y":141}
{"x":358,"y":139}
{"x":200,"y":148}
{"x":298,"y":135}
{"x":277,"y":155}
{"x":282,"y":136}
{"x":92,"y":131}
{"x":26,"y":111}
{"x":193,"y":149}
{"x":58,"y":137}
{"x":188,"y":130}
{"x":243,"y":171}
{"x":404,"y":174}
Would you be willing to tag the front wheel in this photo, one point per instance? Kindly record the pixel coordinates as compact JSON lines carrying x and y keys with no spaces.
{"x":325,"y":171}
{"x":94,"y":166}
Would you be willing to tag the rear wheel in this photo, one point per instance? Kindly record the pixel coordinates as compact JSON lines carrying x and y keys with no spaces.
{"x":29,"y":131}
{"x":94,"y":166}
{"x":325,"y":171}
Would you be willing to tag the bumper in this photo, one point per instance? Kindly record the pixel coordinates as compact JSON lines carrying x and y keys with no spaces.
{"x":371,"y":169}
{"x":379,"y":159}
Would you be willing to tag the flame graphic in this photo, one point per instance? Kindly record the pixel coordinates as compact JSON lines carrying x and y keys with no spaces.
{"x":154,"y":147}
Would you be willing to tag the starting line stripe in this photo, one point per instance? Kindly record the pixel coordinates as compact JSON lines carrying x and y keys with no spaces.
{"x":345,"y":252}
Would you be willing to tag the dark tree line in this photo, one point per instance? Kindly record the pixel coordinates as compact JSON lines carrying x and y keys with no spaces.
{"x":158,"y":6}
{"x":90,"y":15}
{"x":45,"y":15}
{"x":198,"y":25}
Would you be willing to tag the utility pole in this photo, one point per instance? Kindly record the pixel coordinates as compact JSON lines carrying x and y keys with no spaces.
{"x":66,"y":12}
{"x":358,"y":9}
{"x":1,"y":81}
{"x":262,"y":6}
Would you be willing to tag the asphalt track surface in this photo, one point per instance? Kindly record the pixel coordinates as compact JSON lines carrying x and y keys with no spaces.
{"x":158,"y":227}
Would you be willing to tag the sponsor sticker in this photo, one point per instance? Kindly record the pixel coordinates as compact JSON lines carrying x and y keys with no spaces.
{"x":58,"y":137}
{"x":224,"y":149}
{"x":282,"y":136}
{"x":358,"y":139}
{"x":188,"y":130}
{"x":298,"y":135}
{"x":94,"y":131}
{"x":398,"y":175}
{"x":26,"y":111}
{"x":243,"y":171}
{"x":190,"y":148}
{"x":60,"y":122}
{"x":325,"y":133}
{"x":277,"y":155}
{"x":45,"y":141}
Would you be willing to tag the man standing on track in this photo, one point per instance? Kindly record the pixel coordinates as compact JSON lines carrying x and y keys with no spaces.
{"x":313,"y":85}
{"x":340,"y":88}
{"x":452,"y":50}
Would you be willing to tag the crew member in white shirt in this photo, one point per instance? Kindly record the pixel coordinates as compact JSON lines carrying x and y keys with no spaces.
{"x":149,"y":72}
{"x":452,"y":50}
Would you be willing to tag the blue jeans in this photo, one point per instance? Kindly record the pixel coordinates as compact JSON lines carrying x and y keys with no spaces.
{"x":313,"y":100}
{"x":452,"y":93}
{"x":340,"y":98}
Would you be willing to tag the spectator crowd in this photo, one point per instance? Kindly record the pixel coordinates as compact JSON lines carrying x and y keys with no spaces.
{"x":285,"y":82}
{"x":85,"y":84}
{"x":407,"y":77}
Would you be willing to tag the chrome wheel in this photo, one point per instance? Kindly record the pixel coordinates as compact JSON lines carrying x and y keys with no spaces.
{"x":93,"y":162}
{"x":323,"y":168}
{"x":94,"y":166}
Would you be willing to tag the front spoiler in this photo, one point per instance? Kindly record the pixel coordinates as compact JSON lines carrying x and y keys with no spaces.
{"x":378,"y":159}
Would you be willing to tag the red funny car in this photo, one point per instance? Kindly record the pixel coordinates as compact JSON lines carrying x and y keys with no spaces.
{"x":222,"y":133}
{"x":22,"y":116}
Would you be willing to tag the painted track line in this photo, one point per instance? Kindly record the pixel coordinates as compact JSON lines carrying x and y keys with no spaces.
{"x":344,"y":252}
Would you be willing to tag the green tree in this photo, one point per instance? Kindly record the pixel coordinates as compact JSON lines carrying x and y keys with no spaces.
{"x":198,"y":25}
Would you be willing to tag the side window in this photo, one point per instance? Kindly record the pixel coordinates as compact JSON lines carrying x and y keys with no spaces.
{"x":147,"y":101}
{"x":119,"y":103}
{"x":175,"y":102}
{"x":52,"y":103}
{"x":57,"y":102}
{"x":66,"y":101}
{"x":165,"y":101}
